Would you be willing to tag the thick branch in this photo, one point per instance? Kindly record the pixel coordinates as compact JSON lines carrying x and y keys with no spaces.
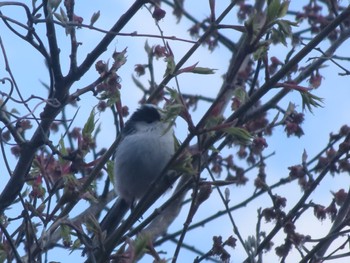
{"x":53,"y":46}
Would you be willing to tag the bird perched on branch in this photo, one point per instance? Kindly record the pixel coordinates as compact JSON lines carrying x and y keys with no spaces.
{"x":146,"y":146}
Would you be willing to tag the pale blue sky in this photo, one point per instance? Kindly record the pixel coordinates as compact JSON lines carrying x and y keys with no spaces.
{"x":29,"y":68}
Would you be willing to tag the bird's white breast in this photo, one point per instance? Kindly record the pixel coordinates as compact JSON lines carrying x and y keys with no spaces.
{"x":141,"y":157}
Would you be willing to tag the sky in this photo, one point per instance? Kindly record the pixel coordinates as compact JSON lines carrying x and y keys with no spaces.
{"x":29,"y":70}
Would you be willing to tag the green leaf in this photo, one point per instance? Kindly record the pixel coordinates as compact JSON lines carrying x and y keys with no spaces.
{"x":173,"y":94}
{"x":241,"y":94}
{"x":89,"y":125}
{"x":273,"y":10}
{"x":170,"y":66}
{"x":60,"y":18}
{"x":241,"y":135}
{"x":95,"y":16}
{"x":70,"y":182}
{"x":310,"y":101}
{"x":110,"y":171}
{"x":261,"y":50}
{"x":14,"y":111}
{"x":76,"y":245}
{"x":97,"y":131}
{"x":202,"y":70}
{"x":63,"y":14}
{"x":113,"y":98}
{"x":214,"y":149}
{"x":184,"y":164}
{"x":277,"y":36}
{"x":65,"y":234}
{"x":171,"y":112}
{"x":62,"y":146}
{"x":54,"y":4}
{"x":283,"y":9}
{"x":284,"y":30}
{"x":92,"y":224}
{"x":213,"y":121}
{"x":285,"y":26}
{"x":140,"y":245}
{"x":88,"y":196}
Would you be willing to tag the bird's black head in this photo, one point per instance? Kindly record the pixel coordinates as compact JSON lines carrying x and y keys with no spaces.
{"x":146,"y":113}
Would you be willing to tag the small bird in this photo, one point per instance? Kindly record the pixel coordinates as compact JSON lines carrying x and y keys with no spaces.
{"x":146,"y":146}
